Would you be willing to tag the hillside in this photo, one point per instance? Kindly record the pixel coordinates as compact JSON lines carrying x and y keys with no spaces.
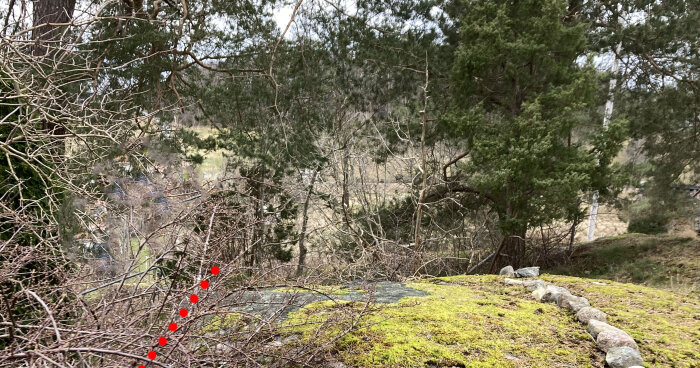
{"x":477,"y":321}
{"x":668,"y":262}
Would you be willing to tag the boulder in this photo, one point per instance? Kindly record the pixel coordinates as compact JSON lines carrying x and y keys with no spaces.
{"x":595,"y":327}
{"x":539,"y":293}
{"x":552,"y":293}
{"x":527,"y":272}
{"x":586,"y":314}
{"x":572,"y":302}
{"x":508,"y":281}
{"x":608,"y":339}
{"x":532,"y":285}
{"x":507,"y":271}
{"x":623,"y":357}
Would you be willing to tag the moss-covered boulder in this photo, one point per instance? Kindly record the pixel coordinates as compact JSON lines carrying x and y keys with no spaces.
{"x":478,"y":321}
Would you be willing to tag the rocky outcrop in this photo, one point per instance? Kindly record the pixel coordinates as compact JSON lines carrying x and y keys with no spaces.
{"x":620,"y":348}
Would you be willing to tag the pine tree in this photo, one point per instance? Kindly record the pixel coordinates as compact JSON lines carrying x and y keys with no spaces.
{"x":521,"y":100}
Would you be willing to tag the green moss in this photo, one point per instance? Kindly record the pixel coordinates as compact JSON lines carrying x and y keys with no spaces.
{"x":664,"y":324}
{"x":476,"y":321}
{"x":227,"y":321}
{"x":470,"y":321}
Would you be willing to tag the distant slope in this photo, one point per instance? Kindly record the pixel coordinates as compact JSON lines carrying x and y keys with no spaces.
{"x":667,"y":262}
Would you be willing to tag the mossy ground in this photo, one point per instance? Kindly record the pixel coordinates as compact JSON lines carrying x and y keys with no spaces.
{"x":466,"y":321}
{"x":665,"y":325}
{"x":476,"y":321}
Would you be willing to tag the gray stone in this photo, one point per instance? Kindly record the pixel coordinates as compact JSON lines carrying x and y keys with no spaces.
{"x":572,"y":302}
{"x":586,"y":314}
{"x":527,"y":272}
{"x":552,"y":293}
{"x":598,"y":283}
{"x":608,"y":339}
{"x":508,"y":271}
{"x":623,"y":357}
{"x":508,"y":281}
{"x":532,"y":285}
{"x":337,"y":365}
{"x":539,"y":293}
{"x":595,"y":327}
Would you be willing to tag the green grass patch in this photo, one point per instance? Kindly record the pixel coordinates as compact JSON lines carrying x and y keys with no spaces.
{"x":667,"y":262}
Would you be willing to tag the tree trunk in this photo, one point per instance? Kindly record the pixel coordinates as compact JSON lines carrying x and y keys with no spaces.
{"x":510,"y":252}
{"x":46,"y":15}
{"x":304,"y":222}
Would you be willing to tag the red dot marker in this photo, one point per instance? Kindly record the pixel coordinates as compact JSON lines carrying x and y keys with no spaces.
{"x":172,"y":326}
{"x":204,"y":284}
{"x":162,"y":341}
{"x":194,"y":298}
{"x":142,"y":366}
{"x":151,"y":355}
{"x":183,"y":312}
{"x":215,"y":270}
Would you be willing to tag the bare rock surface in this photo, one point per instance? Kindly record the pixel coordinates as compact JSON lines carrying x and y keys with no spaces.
{"x":532,"y":285}
{"x":509,"y":281}
{"x":527,"y":272}
{"x":586,"y":314}
{"x":553,"y":292}
{"x":538,"y":293}
{"x":623,"y":357}
{"x":614,"y":338}
{"x":572,"y":302}
{"x":507,"y":271}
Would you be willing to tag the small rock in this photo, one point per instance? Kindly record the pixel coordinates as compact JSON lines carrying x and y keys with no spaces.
{"x":222,"y":348}
{"x":532,"y":285}
{"x":595,"y":327}
{"x":336,"y":365}
{"x":598,"y":283}
{"x":508,"y":281}
{"x":586,"y":314}
{"x":608,"y":339}
{"x":527,"y":272}
{"x":508,"y":271}
{"x":572,"y":302}
{"x":539,"y":293}
{"x":623,"y":357}
{"x":552,"y":293}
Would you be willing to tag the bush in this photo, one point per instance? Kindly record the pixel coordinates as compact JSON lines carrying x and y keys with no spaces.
{"x":651,"y":223}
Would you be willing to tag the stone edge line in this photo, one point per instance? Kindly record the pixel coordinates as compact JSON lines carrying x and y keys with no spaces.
{"x":172,"y":326}
{"x":621,"y":351}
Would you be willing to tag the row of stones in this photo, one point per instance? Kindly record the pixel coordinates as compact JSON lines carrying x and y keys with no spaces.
{"x":620,"y":348}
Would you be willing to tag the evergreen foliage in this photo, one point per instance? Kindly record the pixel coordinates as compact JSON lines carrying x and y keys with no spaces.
{"x":523,"y":110}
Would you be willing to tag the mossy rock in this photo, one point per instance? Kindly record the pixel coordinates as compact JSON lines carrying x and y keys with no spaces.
{"x":477,"y":321}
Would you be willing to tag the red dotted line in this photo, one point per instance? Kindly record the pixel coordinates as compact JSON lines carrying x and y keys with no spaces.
{"x":162,"y":341}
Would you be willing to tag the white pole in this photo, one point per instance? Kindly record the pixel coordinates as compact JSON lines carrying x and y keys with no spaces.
{"x":606,"y":121}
